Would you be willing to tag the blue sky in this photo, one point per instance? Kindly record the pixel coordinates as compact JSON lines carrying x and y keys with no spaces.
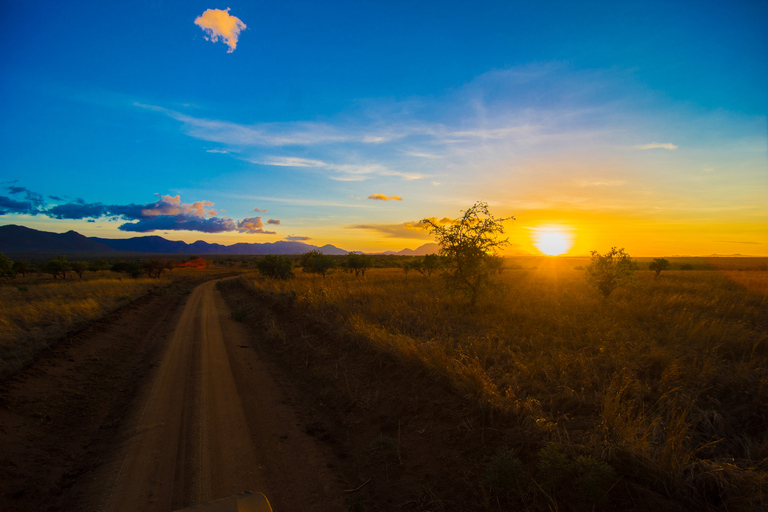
{"x":640,"y":125}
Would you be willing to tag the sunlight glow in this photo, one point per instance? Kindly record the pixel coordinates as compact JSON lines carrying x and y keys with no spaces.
{"x":552,"y":240}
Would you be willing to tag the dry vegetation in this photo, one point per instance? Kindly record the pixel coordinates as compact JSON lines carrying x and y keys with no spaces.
{"x":666,"y":381}
{"x":35,"y":312}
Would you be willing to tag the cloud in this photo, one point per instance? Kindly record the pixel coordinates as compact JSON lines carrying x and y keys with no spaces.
{"x":8,"y":205}
{"x":219,"y":24}
{"x":297,"y":238}
{"x":599,"y":183}
{"x":738,"y":242}
{"x":273,"y":221}
{"x":382,"y":197}
{"x":253,"y":225}
{"x":417,"y":230}
{"x":180,"y":223}
{"x":293,"y":162}
{"x":657,"y":145}
{"x":168,"y":213}
{"x":32,"y":204}
{"x":260,"y":210}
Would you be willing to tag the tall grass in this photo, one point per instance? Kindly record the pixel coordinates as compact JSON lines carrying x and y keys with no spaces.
{"x":33,"y":315}
{"x":667,"y":380}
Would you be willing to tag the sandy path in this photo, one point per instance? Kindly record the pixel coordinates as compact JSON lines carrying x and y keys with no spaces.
{"x":212,"y":424}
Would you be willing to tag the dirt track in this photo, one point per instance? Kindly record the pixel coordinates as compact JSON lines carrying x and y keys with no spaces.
{"x":198,"y":438}
{"x":207,"y":420}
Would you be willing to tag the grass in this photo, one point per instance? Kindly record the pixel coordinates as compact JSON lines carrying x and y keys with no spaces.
{"x":667,"y":381}
{"x":36,"y":313}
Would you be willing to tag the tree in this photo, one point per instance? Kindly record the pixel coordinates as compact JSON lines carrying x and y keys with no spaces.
{"x":21,"y":267}
{"x":467,"y":247}
{"x":659,"y":264}
{"x":277,"y":267}
{"x":6,"y":266}
{"x":611,"y":270}
{"x":98,"y":265}
{"x":316,"y":262}
{"x":79,"y":267}
{"x":59,"y":266}
{"x":133,"y":268}
{"x":430,"y":263}
{"x":154,"y":268}
{"x":357,"y":263}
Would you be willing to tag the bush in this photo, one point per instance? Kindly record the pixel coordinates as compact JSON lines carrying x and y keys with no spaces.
{"x":608,"y":272}
{"x":316,"y":262}
{"x":277,"y":267}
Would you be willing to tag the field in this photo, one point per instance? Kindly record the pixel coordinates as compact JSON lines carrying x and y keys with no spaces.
{"x":664,"y":385}
{"x":36,"y":310}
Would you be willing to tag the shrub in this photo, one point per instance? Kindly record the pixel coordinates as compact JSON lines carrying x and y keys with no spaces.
{"x":608,"y":272}
{"x":277,"y":267}
{"x":315,"y":262}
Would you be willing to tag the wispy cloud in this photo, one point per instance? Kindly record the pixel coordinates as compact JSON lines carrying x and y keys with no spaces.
{"x":415,"y":229}
{"x":382,"y":197}
{"x":219,"y":24}
{"x":297,"y":238}
{"x":657,"y":145}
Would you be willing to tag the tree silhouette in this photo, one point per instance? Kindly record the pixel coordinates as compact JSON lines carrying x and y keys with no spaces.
{"x":659,"y":264}
{"x":468,"y":246}
{"x":611,"y":270}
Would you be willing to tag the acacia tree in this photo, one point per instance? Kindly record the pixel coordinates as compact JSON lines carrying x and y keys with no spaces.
{"x":6,"y":266}
{"x":357,"y":263}
{"x":79,"y":267}
{"x":59,"y":266}
{"x":611,"y":270}
{"x":659,"y":264}
{"x":468,"y":246}
{"x":316,"y":262}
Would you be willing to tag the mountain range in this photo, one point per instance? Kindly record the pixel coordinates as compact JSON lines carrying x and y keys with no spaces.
{"x":20,"y":239}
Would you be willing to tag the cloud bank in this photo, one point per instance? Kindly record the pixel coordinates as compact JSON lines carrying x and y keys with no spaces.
{"x":168,"y":213}
{"x":219,"y":24}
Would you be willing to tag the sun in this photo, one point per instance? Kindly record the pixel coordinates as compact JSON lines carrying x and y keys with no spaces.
{"x":552,"y":240}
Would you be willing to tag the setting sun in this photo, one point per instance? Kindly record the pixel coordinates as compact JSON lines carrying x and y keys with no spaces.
{"x":552,"y":241}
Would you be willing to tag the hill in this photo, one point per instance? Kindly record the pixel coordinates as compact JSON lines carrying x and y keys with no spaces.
{"x":20,"y":239}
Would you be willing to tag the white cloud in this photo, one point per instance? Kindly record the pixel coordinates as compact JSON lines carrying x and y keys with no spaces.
{"x":220,"y":24}
{"x":657,"y":145}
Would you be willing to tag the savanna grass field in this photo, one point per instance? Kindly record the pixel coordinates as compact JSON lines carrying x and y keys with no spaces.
{"x":663,"y":385}
{"x":36,"y":310}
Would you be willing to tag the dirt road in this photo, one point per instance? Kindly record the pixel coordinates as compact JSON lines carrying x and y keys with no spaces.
{"x":211,"y":425}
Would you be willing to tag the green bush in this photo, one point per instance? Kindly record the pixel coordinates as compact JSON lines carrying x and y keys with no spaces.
{"x":277,"y":267}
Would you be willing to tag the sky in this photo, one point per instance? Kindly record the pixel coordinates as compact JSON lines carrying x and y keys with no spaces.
{"x":631,"y":124}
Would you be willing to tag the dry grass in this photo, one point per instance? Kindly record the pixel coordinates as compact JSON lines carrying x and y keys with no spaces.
{"x":34,"y":313}
{"x":667,"y":381}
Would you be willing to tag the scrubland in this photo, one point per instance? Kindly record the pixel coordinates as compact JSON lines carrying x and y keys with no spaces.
{"x":34,"y":312}
{"x":664,"y":385}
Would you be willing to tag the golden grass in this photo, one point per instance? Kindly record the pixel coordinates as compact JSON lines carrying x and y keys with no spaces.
{"x":667,"y":380}
{"x":33,"y":314}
